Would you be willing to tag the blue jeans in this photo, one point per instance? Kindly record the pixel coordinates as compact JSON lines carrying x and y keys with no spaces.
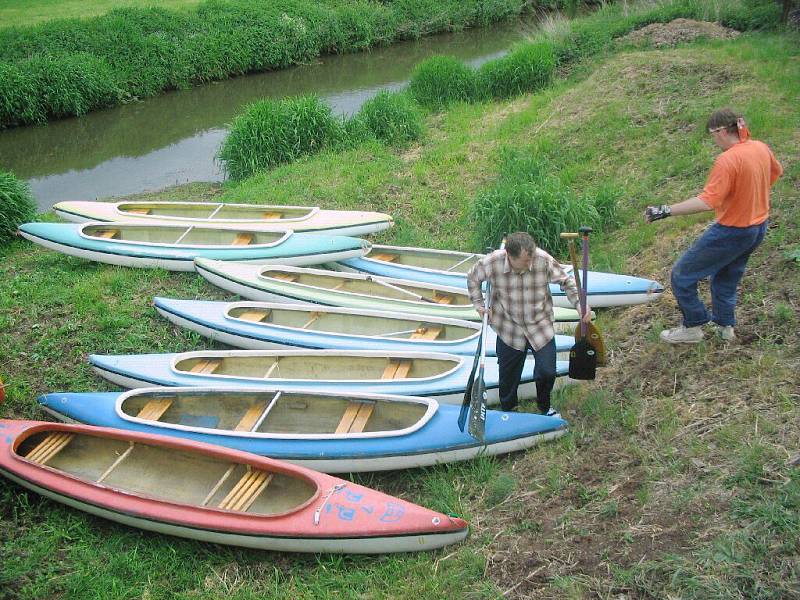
{"x":511,"y":361}
{"x":721,"y":253}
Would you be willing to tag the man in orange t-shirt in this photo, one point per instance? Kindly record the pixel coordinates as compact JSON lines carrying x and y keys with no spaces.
{"x":737,"y":190}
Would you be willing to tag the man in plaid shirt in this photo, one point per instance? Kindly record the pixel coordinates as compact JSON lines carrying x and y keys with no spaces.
{"x":522,"y":313}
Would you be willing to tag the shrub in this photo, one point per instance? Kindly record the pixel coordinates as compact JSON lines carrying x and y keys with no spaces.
{"x":527,"y":68}
{"x":528,"y":196}
{"x":442,"y":80}
{"x":16,"y":205}
{"x":392,"y":118}
{"x":20,"y":103}
{"x":272,"y":132}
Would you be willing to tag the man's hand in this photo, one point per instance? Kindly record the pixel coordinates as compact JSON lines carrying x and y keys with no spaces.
{"x":587,"y":316}
{"x":654,"y":213}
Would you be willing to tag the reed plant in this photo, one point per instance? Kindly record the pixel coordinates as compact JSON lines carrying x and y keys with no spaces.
{"x":527,"y":68}
{"x":529,"y":196}
{"x":392,"y":117}
{"x":16,"y":205}
{"x":273,"y":132}
{"x":441,"y":81}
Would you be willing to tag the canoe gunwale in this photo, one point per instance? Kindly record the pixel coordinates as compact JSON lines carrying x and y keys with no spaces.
{"x":164,"y":441}
{"x":431,"y":403}
{"x":128,"y":243}
{"x":276,"y":381}
{"x":312,"y":211}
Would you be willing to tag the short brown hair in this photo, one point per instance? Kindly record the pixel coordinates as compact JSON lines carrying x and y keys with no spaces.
{"x":724,"y":117}
{"x":518,"y":242}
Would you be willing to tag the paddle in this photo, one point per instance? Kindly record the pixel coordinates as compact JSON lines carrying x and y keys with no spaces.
{"x":582,"y":355}
{"x":399,"y":289}
{"x":594,"y":333}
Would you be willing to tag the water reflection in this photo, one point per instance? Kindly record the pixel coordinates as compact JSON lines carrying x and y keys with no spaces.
{"x":173,"y":138}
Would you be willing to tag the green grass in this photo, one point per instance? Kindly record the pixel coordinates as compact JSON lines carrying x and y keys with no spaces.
{"x":673,"y":479}
{"x":16,"y":205}
{"x":31,"y":12}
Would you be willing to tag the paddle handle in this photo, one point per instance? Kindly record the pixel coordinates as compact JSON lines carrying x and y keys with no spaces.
{"x":584,"y":289}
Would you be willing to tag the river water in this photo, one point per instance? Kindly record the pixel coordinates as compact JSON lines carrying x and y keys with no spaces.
{"x":173,"y":138}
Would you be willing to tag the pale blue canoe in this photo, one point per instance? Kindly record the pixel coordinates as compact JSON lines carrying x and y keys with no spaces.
{"x":449,"y":268}
{"x":271,"y":325}
{"x":333,"y":433}
{"x":174,"y":247}
{"x":432,"y":375}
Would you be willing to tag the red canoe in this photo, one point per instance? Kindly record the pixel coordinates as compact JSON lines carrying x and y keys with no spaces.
{"x":213,"y":494}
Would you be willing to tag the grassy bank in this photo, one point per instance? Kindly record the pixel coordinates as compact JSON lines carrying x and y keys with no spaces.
{"x":674,"y":480}
{"x":71,"y":66}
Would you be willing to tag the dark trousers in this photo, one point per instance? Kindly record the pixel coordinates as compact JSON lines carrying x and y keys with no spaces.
{"x":511,"y":362}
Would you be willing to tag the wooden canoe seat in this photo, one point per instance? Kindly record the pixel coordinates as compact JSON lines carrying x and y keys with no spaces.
{"x":155,"y":409}
{"x":397,"y":369}
{"x":314,"y":316}
{"x":242,"y":239}
{"x":256,"y":315}
{"x":284,"y":276}
{"x":206,"y":366}
{"x":50,"y":446}
{"x":246,"y":490}
{"x":442,"y":298}
{"x":139,"y":211}
{"x":108,"y":234}
{"x":427,"y":333}
{"x":384,"y":257}
{"x":272,"y":215}
{"x":355,"y":417}
{"x":250,"y":418}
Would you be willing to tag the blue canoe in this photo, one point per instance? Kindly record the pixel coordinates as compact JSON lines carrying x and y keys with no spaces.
{"x":449,"y":268}
{"x":271,"y":325}
{"x":333,"y":433}
{"x":174,"y":247}
{"x":433,"y":375}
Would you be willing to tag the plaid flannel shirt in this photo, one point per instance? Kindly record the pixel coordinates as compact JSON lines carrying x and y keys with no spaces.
{"x":522,"y":307}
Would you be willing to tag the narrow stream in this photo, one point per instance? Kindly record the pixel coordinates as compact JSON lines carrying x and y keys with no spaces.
{"x":173,"y":138}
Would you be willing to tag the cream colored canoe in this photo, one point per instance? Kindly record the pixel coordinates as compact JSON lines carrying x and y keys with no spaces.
{"x":263,"y":217}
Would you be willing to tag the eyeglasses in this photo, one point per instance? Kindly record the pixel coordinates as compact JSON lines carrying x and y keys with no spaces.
{"x":713,"y":131}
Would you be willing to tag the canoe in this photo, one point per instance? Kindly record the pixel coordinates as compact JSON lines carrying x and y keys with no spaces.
{"x":269,"y":325}
{"x":433,"y":375}
{"x":351,"y":290}
{"x":257,"y":217}
{"x":189,"y":489}
{"x":449,"y":268}
{"x":334,"y":433}
{"x":174,"y":247}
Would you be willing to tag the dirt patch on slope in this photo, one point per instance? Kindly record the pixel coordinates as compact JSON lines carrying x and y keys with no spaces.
{"x":678,"y":31}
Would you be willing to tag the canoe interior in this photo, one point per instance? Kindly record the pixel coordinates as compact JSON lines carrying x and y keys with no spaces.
{"x":167,"y":474}
{"x":213,"y":211}
{"x":182,"y":236}
{"x":453,"y":262}
{"x":369,"y":287}
{"x":325,"y":367}
{"x":351,"y":324}
{"x":276,"y":412}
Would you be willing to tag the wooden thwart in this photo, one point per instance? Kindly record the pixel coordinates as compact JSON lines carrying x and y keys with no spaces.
{"x":155,"y":409}
{"x":397,"y":369}
{"x":246,"y":490}
{"x":139,"y":211}
{"x":242,"y":239}
{"x":250,"y":417}
{"x":49,"y":447}
{"x":355,"y":417}
{"x":272,"y":215}
{"x":427,"y":333}
{"x":254,"y":315}
{"x":384,"y":257}
{"x":108,"y":234}
{"x":284,"y":276}
{"x":206,"y":366}
{"x":442,"y":298}
{"x":314,"y":316}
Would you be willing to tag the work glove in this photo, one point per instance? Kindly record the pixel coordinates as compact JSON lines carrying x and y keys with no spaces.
{"x":654,"y":213}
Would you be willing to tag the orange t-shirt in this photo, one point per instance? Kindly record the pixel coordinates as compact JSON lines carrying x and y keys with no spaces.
{"x":738,"y":185}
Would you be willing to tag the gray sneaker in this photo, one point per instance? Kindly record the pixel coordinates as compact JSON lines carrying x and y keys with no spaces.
{"x":553,"y":413}
{"x":726,"y":332}
{"x":682,"y":335}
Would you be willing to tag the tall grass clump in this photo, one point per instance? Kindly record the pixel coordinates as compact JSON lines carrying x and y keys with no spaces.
{"x":273,"y":132}
{"x":527,"y":68}
{"x":441,"y":81}
{"x":16,"y":205}
{"x":20,"y":102}
{"x":391,"y":117}
{"x":529,"y":196}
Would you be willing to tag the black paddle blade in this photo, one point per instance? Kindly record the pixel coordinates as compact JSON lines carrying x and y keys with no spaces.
{"x":582,"y":360}
{"x":477,"y":417}
{"x":462,"y":415}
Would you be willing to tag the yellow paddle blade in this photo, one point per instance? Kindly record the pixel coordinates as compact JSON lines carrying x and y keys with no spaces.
{"x":595,"y":339}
